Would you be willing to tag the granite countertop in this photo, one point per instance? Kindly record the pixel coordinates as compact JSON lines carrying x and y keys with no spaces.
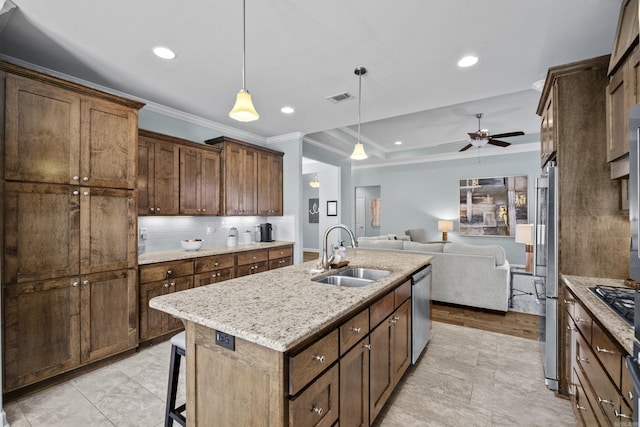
{"x":617,"y":327}
{"x":280,"y":308}
{"x":164,"y":256}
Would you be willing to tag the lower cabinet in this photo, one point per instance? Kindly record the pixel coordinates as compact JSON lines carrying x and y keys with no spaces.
{"x":54,"y":326}
{"x":252,"y":262}
{"x":354,"y":385}
{"x":318,"y":404}
{"x":154,"y":323}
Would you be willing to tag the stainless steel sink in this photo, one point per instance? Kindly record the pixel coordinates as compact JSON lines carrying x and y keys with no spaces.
{"x":364,"y":273}
{"x":353,"y":277}
{"x":351,"y":282}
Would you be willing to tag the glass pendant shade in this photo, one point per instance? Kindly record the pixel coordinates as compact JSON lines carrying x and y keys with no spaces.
{"x":243,"y":110}
{"x":358,"y":152}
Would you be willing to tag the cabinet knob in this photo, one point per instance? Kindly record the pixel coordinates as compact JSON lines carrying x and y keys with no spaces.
{"x":319,"y":358}
{"x":367,"y":346}
{"x":169,"y":272}
{"x":204,"y":210}
{"x":75,"y":193}
{"x":85,"y":193}
{"x":198,"y":210}
{"x":630,"y":395}
{"x":318,"y":411}
{"x":76,"y":177}
{"x":172,"y":284}
{"x":568,"y":301}
{"x":394,"y":319}
{"x":151,"y":209}
{"x":356,"y":330}
{"x":75,"y":284}
{"x":215,"y":264}
{"x":85,"y":282}
{"x":157,"y":209}
{"x":166,"y":285}
{"x":218,"y":275}
{"x":85,"y":178}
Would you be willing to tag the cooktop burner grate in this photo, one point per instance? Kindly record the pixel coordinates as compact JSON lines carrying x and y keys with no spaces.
{"x":620,"y":300}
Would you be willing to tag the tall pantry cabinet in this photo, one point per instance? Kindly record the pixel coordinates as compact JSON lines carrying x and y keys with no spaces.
{"x":69,"y":225}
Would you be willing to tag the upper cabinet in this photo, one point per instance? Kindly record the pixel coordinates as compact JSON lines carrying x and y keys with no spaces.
{"x":88,"y":138}
{"x":623,"y":89}
{"x":251,"y":178}
{"x":199,"y":181}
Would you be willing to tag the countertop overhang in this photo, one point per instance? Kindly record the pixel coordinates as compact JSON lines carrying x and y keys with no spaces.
{"x":618,"y":328}
{"x":279,"y":309}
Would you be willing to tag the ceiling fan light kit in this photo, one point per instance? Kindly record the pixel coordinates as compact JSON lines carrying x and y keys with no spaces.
{"x":358,"y":149}
{"x":243,"y":110}
{"x":482,"y":137}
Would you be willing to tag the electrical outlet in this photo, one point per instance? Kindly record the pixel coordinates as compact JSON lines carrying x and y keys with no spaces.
{"x":210,"y":229}
{"x":144,"y":233}
{"x":226,"y":340}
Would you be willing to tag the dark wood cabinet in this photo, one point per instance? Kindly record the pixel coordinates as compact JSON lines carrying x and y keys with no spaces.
{"x":269,"y":184}
{"x":251,"y":178}
{"x":70,"y":221}
{"x":354,"y":386}
{"x":381,"y":380}
{"x":154,"y":323}
{"x":158,"y":174}
{"x":199,"y":181}
{"x":401,"y":344}
{"x":547,"y":132}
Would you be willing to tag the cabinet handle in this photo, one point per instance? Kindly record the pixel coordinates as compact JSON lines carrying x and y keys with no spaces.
{"x":604,"y":350}
{"x":318,"y":411}
{"x":85,"y":178}
{"x":169,"y":272}
{"x":85,"y":282}
{"x":630,"y":395}
{"x":367,"y":346}
{"x":356,"y":330}
{"x":572,"y":329}
{"x":75,"y":284}
{"x":319,"y":358}
{"x":76,"y":177}
{"x":621,"y":415}
{"x":394,"y":319}
{"x":580,"y":320}
{"x":608,"y":402}
{"x":580,"y":359}
{"x":215,"y":264}
{"x":581,"y":408}
{"x":568,"y":301}
{"x":75,"y":193}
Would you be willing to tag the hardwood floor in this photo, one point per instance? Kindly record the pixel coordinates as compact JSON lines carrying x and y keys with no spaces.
{"x":512,"y":323}
{"x":309,"y":256}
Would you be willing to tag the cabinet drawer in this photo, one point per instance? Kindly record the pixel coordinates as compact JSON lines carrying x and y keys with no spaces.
{"x":247,"y":269}
{"x":354,"y":330}
{"x":213,"y":263}
{"x":252,"y":257}
{"x":605,"y":393}
{"x":583,"y":321}
{"x":210,"y":277}
{"x":165,"y":270}
{"x":569,"y":302}
{"x":381,"y":309}
{"x":626,"y":387}
{"x":281,"y":262}
{"x":280,"y":252}
{"x":402,"y":293}
{"x":583,"y":400}
{"x":608,"y":353}
{"x":308,"y":364}
{"x":318,"y":404}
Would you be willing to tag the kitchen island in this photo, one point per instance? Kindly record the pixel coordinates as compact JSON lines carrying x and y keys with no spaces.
{"x":268,"y":349}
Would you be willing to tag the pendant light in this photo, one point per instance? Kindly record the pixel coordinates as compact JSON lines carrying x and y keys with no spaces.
{"x":243,"y":110}
{"x":358,"y":150}
{"x":315,"y":183}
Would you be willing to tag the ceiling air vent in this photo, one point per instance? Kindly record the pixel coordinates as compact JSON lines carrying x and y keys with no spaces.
{"x":340,"y":97}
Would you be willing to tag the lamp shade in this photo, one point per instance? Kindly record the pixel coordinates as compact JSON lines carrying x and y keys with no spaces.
{"x":524,"y":233}
{"x":445,"y":225}
{"x":243,"y":110}
{"x":358,"y":152}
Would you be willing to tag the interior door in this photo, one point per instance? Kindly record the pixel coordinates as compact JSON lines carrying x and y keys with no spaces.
{"x":360,"y":217}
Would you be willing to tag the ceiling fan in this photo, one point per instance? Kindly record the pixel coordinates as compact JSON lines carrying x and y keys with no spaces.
{"x":482,"y":137}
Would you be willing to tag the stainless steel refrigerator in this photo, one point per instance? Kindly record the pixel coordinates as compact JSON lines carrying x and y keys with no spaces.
{"x":546,"y":266}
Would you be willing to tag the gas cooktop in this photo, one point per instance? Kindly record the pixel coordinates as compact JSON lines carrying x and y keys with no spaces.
{"x":620,"y":300}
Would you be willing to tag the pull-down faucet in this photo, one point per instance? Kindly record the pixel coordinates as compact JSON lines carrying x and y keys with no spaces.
{"x":326,"y":258}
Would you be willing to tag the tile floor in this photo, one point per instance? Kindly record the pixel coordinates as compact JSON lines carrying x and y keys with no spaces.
{"x":467,"y":377}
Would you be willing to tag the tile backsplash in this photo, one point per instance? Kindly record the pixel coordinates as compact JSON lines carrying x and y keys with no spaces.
{"x":164,"y":233}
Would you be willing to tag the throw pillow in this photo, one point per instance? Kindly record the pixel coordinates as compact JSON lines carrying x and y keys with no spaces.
{"x":417,"y":235}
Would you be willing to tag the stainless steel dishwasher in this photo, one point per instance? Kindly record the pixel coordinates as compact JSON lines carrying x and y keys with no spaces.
{"x":420,"y":311}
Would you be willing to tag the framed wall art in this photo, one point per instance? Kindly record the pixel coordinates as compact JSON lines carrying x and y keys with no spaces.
{"x":493,"y":206}
{"x":314,"y":211}
{"x":332,"y":208}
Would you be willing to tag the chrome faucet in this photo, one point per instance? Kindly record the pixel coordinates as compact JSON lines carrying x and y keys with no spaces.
{"x":326,"y":258}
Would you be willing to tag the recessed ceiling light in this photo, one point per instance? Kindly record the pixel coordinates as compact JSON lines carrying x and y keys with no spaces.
{"x":398,"y":142}
{"x":468,"y":61}
{"x":164,"y":52}
{"x":287,"y":110}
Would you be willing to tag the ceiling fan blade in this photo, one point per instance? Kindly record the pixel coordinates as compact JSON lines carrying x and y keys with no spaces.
{"x":508,"y":134}
{"x":499,"y":143}
{"x":466,"y":147}
{"x":472,"y":135}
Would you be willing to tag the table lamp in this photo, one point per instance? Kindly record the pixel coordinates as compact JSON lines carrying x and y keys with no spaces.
{"x":444,"y":226}
{"x":524,"y":234}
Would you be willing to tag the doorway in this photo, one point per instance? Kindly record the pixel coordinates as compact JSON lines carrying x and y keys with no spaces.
{"x":368,"y":205}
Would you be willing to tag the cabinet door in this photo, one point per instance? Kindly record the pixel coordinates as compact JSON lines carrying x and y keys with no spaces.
{"x":40,"y":115}
{"x":108,"y":313}
{"x":233,"y":157}
{"x":249,"y":182}
{"x":354,"y":386}
{"x":42,"y":224}
{"x":108,"y":137}
{"x":401,"y":350}
{"x":190,"y":180}
{"x":381,"y":378}
{"x":617,"y":115}
{"x":107,"y":230}
{"x":165,"y":179}
{"x":146,"y":203}
{"x":153,"y":323}
{"x":42,"y":330}
{"x":210,"y":192}
{"x":269,"y":184}
{"x":547,"y":130}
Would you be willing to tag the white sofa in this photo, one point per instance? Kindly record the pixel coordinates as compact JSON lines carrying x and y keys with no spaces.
{"x":475,"y":276}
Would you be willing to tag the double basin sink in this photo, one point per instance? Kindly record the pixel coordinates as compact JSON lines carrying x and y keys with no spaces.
{"x":353,"y":277}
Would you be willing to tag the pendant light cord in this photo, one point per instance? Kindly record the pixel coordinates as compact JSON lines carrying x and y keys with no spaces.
{"x":359,"y":100}
{"x":244,"y":43}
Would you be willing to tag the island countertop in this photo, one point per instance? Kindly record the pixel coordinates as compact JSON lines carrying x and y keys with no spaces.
{"x":279,"y":309}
